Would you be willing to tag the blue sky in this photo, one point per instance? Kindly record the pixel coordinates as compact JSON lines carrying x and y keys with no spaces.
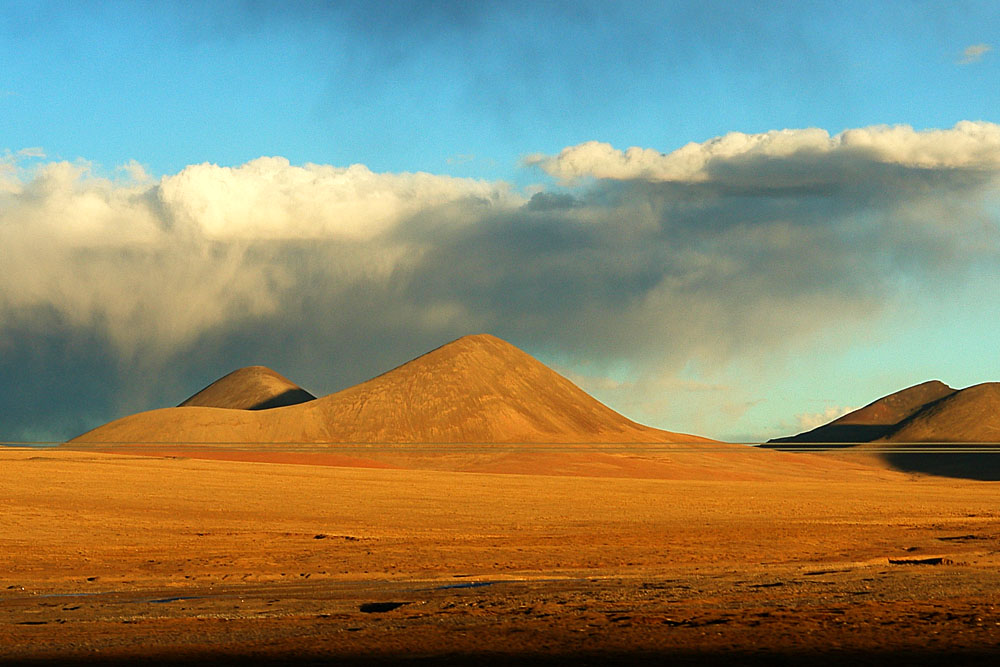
{"x":473,"y":91}
{"x":422,"y":86}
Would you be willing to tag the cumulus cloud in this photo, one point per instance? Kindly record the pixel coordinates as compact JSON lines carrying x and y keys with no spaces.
{"x":333,"y":274}
{"x":270,"y":199}
{"x":810,"y":420}
{"x":968,"y":145}
{"x":160,"y":263}
{"x":974,"y":53}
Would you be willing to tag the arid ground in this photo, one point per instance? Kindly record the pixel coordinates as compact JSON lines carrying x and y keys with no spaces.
{"x":490,"y":554}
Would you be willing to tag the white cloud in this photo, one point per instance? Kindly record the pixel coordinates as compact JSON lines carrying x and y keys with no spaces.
{"x":269,"y":198}
{"x":808,"y":421}
{"x":11,"y":167}
{"x":159,"y":263}
{"x":968,"y":145}
{"x":34,"y":152}
{"x":974,"y":53}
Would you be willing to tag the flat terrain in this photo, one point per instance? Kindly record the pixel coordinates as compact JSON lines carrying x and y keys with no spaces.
{"x":491,"y":553}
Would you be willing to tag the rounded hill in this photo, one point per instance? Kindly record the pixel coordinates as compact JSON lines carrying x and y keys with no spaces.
{"x":250,"y":388}
{"x":477,"y":389}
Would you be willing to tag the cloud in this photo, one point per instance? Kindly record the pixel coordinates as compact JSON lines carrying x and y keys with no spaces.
{"x":159,"y":264}
{"x":974,"y":53}
{"x":809,"y":421}
{"x":33,"y":152}
{"x":146,"y":289}
{"x":270,"y":199}
{"x":734,"y":157}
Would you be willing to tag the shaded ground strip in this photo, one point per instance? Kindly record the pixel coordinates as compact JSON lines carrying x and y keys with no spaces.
{"x":870,"y":613}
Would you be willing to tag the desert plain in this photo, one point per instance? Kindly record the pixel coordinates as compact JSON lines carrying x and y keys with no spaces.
{"x":489,"y":554}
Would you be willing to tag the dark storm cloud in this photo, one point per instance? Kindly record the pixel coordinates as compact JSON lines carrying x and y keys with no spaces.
{"x":57,"y":379}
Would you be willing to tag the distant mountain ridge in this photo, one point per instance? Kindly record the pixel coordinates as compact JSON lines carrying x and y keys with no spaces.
{"x":477,"y":389}
{"x":968,"y":415}
{"x":876,"y":420}
{"x":927,"y":412}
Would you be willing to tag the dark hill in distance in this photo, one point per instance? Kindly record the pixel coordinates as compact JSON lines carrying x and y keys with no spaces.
{"x":477,"y":389}
{"x":877,"y":419}
{"x":250,"y":388}
{"x":929,"y":428}
{"x":968,"y":415}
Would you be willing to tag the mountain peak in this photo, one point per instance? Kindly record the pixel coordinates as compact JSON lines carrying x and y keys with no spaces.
{"x":877,"y":419}
{"x":476,"y":389}
{"x":249,"y":388}
{"x":894,"y":408}
{"x":968,"y":415}
{"x":474,"y":344}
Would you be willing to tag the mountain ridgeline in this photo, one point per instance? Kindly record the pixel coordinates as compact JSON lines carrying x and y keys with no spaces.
{"x":477,"y":389}
{"x":929,"y":428}
{"x":930,"y":412}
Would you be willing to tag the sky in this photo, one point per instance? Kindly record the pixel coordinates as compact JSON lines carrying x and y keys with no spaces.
{"x":731,"y":219}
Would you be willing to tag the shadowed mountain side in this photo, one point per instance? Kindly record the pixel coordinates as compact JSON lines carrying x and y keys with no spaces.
{"x":836,"y":433}
{"x":877,"y":419}
{"x":477,"y":389}
{"x":250,"y":388}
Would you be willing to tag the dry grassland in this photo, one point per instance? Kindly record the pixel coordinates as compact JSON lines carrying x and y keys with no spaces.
{"x":579,"y":555}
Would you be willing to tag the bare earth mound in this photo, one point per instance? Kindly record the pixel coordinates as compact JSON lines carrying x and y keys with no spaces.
{"x":250,"y":388}
{"x":477,"y":389}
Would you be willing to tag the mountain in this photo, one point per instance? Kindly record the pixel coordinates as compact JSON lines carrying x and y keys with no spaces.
{"x":927,"y":412}
{"x":477,"y":389}
{"x":878,"y":419}
{"x":250,"y":388}
{"x":898,"y":429}
{"x":969,"y":415}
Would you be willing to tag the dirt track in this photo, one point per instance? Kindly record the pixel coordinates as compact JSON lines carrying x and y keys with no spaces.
{"x":121,"y":556}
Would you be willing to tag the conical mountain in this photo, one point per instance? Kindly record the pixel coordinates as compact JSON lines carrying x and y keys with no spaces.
{"x":477,"y":389}
{"x":877,"y":419}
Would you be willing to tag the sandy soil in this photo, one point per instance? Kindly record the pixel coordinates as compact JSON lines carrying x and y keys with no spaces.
{"x":611,"y":557}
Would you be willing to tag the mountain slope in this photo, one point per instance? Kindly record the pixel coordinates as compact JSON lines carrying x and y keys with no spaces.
{"x":250,"y":388}
{"x":968,"y":415}
{"x":475,"y":389}
{"x":877,"y":419}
